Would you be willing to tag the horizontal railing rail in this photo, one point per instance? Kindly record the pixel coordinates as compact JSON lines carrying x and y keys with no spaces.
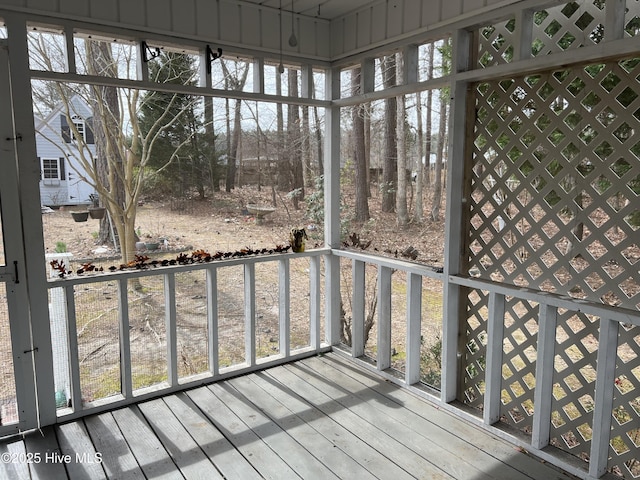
{"x":606,"y":393}
{"x":413,"y":318}
{"x":379,"y":297}
{"x":604,"y":390}
{"x":66,"y":292}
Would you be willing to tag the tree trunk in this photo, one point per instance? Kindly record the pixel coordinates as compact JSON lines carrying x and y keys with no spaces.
{"x":293,"y":133}
{"x":108,"y":156}
{"x":401,"y":196}
{"x":283,"y":172}
{"x":359,"y":154}
{"x":418,"y":214}
{"x":367,"y":145}
{"x":318,"y":130}
{"x":232,"y":161}
{"x":214,"y":174}
{"x":389,"y":166}
{"x":437,"y":189}
{"x":307,"y":172}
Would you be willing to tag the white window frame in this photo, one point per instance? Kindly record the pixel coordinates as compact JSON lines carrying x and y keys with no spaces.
{"x":53,"y":180}
{"x":78,"y":126}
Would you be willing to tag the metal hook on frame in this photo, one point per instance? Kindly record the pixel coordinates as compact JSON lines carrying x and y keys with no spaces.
{"x":149,"y":53}
{"x":211,"y":56}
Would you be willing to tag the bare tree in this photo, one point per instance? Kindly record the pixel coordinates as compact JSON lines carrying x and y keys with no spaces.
{"x":100,"y":62}
{"x":294,"y":137}
{"x":359,"y":153}
{"x":389,"y":166}
{"x":122,"y":172}
{"x":424,"y":141}
{"x":234,"y":81}
{"x":402,"y":215}
{"x":437,"y":185}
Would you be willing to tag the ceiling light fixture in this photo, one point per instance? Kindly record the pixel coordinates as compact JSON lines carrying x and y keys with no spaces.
{"x":293,"y":41}
{"x":281,"y":66}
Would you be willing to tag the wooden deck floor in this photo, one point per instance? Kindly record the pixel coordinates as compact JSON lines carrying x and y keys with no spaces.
{"x":318,"y":418}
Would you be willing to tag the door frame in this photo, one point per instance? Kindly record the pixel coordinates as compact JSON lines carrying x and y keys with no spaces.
{"x":12,"y":272}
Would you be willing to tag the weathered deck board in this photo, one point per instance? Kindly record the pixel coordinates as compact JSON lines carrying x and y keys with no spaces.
{"x":75,"y":442}
{"x":153,"y":458}
{"x":434,"y":418}
{"x":212,"y":442}
{"x":184,"y":451}
{"x":394,"y":459}
{"x":117,"y":459}
{"x":456,"y":456}
{"x":263,"y":459}
{"x":44,"y":446}
{"x":323,"y":417}
{"x":461,"y":455}
{"x":309,"y":435}
{"x":12,"y":466}
{"x":294,"y":454}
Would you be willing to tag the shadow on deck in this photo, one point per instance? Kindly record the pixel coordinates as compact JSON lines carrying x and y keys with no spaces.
{"x":323,"y":417}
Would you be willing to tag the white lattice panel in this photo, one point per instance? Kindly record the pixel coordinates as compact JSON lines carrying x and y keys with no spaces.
{"x":565,"y":27}
{"x":625,"y":431}
{"x":555,"y":206}
{"x":476,"y":346}
{"x":519,"y":363}
{"x":574,"y":382}
{"x":556,"y":183}
{"x":568,"y":26}
{"x":495,"y":44}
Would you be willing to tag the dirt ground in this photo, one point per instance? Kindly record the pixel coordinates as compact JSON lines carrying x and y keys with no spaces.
{"x":222,"y":223}
{"x":218,"y":224}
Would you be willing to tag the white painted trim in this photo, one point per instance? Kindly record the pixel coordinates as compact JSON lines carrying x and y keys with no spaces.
{"x":493,"y":370}
{"x":414,"y":332}
{"x":383,"y":356}
{"x":250,"y":313}
{"x":170,"y":327}
{"x":603,"y":397}
{"x":284,"y":306}
{"x":358,"y":279}
{"x":212,"y":320}
{"x":125,"y":339}
{"x":72,"y":341}
{"x":545,"y":351}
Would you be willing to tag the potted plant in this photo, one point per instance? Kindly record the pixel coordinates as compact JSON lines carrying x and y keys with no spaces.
{"x":80,"y":216}
{"x":95,"y":210}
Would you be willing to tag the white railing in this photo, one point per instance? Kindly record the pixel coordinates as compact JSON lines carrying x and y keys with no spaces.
{"x":401,"y":305}
{"x":122,"y":298}
{"x":606,"y":386}
{"x":601,"y":390}
{"x":386,"y":315}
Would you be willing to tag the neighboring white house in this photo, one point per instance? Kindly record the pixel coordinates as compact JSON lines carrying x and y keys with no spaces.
{"x":61,"y":171}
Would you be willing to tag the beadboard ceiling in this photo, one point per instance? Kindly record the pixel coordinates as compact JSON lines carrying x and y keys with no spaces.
{"x":325,"y":9}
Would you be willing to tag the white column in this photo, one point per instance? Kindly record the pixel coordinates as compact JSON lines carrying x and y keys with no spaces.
{"x":58,"y":320}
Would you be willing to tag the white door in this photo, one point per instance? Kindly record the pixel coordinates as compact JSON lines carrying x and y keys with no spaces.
{"x":17,"y":392}
{"x":79,"y":190}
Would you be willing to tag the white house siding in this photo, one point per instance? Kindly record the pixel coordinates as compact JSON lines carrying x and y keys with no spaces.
{"x":70,"y":189}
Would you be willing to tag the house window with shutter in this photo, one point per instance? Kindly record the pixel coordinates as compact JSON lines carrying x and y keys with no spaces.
{"x":52,"y":170}
{"x":78,"y":133}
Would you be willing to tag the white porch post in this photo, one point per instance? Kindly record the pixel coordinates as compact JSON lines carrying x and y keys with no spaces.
{"x":332,"y":208}
{"x":29,"y":171}
{"x":454,"y":218}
